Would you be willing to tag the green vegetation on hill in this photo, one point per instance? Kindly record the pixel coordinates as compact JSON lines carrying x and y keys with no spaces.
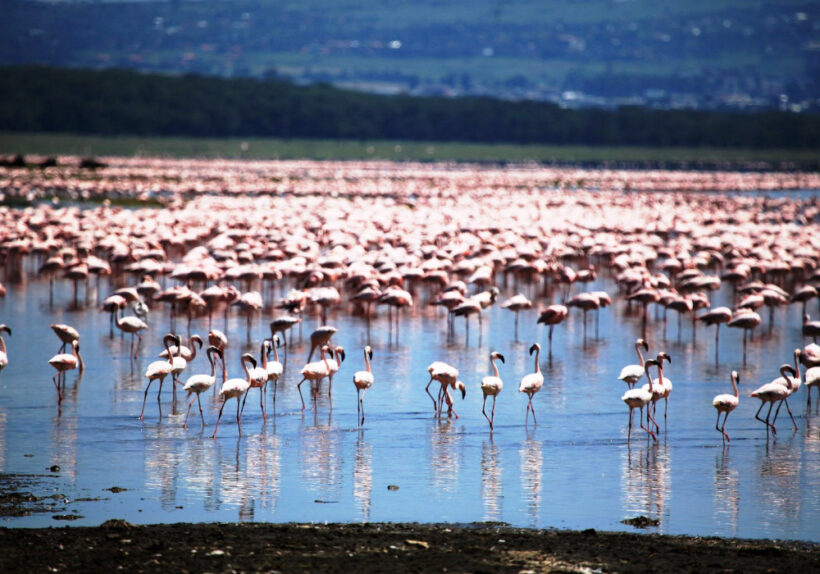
{"x":126,"y":103}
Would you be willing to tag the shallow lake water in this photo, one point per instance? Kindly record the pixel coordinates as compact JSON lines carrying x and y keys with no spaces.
{"x":573,"y":469}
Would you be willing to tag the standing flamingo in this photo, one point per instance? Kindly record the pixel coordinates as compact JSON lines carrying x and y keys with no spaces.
{"x":4,"y":357}
{"x":64,"y":362}
{"x":334,"y":363}
{"x":640,"y":398}
{"x":259,"y":378}
{"x":792,"y":385}
{"x":201,"y":383}
{"x":658,"y":388}
{"x":275,"y":368}
{"x":444,"y":374}
{"x":631,"y":374}
{"x":515,"y":304}
{"x":725,"y":404}
{"x":716,"y":316}
{"x":132,"y":325}
{"x":551,"y":316}
{"x":314,"y":372}
{"x":773,"y":392}
{"x":363,"y":380}
{"x":158,"y":370}
{"x":320,"y":337}
{"x":746,"y":320}
{"x":812,"y":378}
{"x":234,"y":389}
{"x":218,"y":339}
{"x":491,"y":385}
{"x":532,"y":383}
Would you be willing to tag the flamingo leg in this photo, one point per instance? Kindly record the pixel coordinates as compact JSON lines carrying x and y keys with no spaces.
{"x":299,"y":388}
{"x":219,"y":418}
{"x":492,"y":415}
{"x":239,"y":416}
{"x":188,"y":412}
{"x":145,"y":398}
{"x":427,"y":390}
{"x":199,"y":404}
{"x":768,"y":414}
{"x":57,"y":386}
{"x":629,"y":432}
{"x":777,"y":411}
{"x":361,"y":402}
{"x":483,"y":412}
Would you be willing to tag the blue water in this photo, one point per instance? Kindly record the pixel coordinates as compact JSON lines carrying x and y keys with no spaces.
{"x":573,"y":469}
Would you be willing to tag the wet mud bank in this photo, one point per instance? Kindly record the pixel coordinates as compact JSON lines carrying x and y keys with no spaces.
{"x":384,"y":547}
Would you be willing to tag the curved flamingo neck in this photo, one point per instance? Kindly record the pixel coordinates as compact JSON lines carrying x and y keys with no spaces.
{"x":2,"y":344}
{"x":537,"y":362}
{"x":167,"y":348}
{"x":264,"y":354}
{"x":366,"y":362}
{"x":640,"y":355}
{"x":495,"y":367}
{"x":734,"y":385}
{"x":210,"y":355}
{"x":192,"y":342}
{"x":797,"y":365}
{"x":245,"y":368}
{"x":648,"y":376}
{"x":275,"y":351}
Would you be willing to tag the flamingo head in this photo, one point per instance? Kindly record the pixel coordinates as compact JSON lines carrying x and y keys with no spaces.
{"x":663,"y":356}
{"x":643,"y":343}
{"x":340,"y":354}
{"x":197,"y":339}
{"x":369,"y":352}
{"x":497,"y":355}
{"x":5,"y":328}
{"x":460,"y":386}
{"x":535,"y":347}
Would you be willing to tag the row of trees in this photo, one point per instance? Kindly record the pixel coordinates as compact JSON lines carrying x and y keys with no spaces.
{"x":115,"y":102}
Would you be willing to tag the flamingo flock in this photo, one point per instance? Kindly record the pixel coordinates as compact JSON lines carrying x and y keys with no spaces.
{"x":293,"y":243}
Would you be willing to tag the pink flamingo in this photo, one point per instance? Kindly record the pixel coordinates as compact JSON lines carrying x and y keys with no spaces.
{"x":234,"y":389}
{"x":532,"y":383}
{"x":491,"y":386}
{"x":725,"y":404}
{"x":363,"y":380}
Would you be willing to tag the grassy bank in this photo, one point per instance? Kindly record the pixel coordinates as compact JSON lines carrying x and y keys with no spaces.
{"x":61,"y":144}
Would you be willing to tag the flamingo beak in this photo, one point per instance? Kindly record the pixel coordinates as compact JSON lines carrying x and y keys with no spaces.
{"x":500,"y":357}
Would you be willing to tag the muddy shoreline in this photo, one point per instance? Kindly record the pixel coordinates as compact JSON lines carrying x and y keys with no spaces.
{"x":384,"y":547}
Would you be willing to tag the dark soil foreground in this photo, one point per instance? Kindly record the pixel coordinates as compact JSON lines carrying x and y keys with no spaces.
{"x":384,"y":548}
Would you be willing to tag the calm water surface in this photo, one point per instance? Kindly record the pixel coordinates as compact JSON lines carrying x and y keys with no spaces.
{"x":574,"y":469}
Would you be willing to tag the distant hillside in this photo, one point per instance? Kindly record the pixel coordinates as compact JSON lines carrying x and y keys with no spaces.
{"x":716,"y":54}
{"x":127,"y":103}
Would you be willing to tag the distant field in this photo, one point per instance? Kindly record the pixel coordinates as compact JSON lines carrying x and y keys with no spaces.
{"x":60,"y":144}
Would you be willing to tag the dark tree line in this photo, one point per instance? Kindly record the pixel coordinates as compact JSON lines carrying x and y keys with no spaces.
{"x":115,"y":102}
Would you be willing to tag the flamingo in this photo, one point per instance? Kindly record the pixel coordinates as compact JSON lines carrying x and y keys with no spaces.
{"x":532,"y":383}
{"x":158,"y":370}
{"x":746,"y":320}
{"x":66,"y":333}
{"x":773,"y":392}
{"x":491,"y":385}
{"x":444,"y":394}
{"x":515,"y":304}
{"x":334,"y":363}
{"x":187,"y":353}
{"x":314,"y":372}
{"x":716,"y":316}
{"x":363,"y":380}
{"x":658,"y":388}
{"x":812,"y":377}
{"x":444,"y":374}
{"x":631,"y":374}
{"x":274,"y":367}
{"x":259,"y":378}
{"x":132,"y":325}
{"x":640,"y":398}
{"x":320,"y":337}
{"x":726,"y":403}
{"x":810,"y":328}
{"x":234,"y":389}
{"x":201,"y":383}
{"x":64,"y":362}
{"x":792,"y":385}
{"x":551,"y":316}
{"x":4,"y":357}
{"x":218,"y":339}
